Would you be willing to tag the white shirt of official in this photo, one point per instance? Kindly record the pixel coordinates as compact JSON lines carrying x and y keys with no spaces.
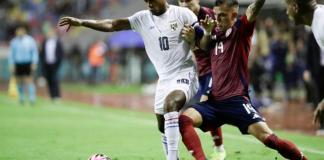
{"x":164,"y":45}
{"x":318,"y":25}
{"x":50,"y":47}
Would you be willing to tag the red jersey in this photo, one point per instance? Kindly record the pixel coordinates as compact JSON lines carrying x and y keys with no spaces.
{"x":202,"y":57}
{"x":229,"y":60}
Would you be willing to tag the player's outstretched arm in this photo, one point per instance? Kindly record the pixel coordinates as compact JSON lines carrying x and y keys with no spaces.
{"x":106,"y":25}
{"x":254,"y":9}
{"x":208,"y":25}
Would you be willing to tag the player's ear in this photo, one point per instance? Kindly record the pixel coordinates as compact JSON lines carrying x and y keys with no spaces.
{"x":295,"y":7}
{"x":234,"y":15}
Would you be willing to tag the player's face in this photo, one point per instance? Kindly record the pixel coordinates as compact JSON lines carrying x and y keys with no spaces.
{"x":292,"y":11}
{"x":157,"y":7}
{"x":225,"y":17}
{"x":20,"y":31}
{"x":191,"y":4}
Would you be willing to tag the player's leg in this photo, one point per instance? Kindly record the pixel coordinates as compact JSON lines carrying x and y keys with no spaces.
{"x":189,"y":119}
{"x":287,"y":149}
{"x":219,"y":152}
{"x":239,"y":112}
{"x":160,"y":122}
{"x":29,"y":81}
{"x":19,"y":72}
{"x":172,"y":104}
{"x":205,"y":84}
{"x":20,"y":87}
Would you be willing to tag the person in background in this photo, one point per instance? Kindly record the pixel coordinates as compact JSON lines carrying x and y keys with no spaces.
{"x":23,"y":60}
{"x":309,"y":13}
{"x":51,"y":56}
{"x":96,"y":58}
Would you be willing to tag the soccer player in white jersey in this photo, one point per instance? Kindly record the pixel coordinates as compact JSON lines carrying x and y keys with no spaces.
{"x":160,"y":28}
{"x":308,"y":12}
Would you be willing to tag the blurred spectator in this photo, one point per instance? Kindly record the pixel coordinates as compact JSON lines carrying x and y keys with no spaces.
{"x":278,"y":54}
{"x":96,"y":58}
{"x":75,"y":59}
{"x":23,"y":60}
{"x":114,"y":65}
{"x":51,"y":56}
{"x":257,"y":68}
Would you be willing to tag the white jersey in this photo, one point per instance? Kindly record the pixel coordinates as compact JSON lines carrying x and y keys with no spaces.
{"x":318,"y":25}
{"x":164,"y":45}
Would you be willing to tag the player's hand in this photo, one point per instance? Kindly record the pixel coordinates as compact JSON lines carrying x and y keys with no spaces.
{"x":188,"y":33}
{"x":307,"y":76}
{"x":208,"y":24}
{"x":69,"y":21}
{"x":319,"y":113}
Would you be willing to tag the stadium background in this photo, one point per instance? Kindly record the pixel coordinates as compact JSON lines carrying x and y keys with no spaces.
{"x":127,"y":78}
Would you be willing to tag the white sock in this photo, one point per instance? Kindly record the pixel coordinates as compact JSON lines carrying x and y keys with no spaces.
{"x":219,"y":148}
{"x":172,"y":133}
{"x":164,"y":144}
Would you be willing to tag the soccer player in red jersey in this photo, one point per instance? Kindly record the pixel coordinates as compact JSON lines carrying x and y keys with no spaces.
{"x":229,"y":103}
{"x":204,"y":74}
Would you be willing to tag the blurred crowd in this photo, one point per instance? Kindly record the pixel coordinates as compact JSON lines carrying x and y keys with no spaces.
{"x":282,"y":59}
{"x":278,"y":62}
{"x":42,"y":14}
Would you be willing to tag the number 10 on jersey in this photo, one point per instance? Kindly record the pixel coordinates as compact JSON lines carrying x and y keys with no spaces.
{"x":164,"y":43}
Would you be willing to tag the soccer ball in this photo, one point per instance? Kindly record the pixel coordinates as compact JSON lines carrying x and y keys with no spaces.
{"x":99,"y":157}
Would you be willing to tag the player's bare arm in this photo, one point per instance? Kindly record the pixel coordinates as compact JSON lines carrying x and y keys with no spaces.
{"x":319,"y":113}
{"x":208,"y":24}
{"x":106,"y":25}
{"x":254,"y":9}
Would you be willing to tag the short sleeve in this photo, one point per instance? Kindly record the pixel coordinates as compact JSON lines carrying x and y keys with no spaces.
{"x":246,"y":26}
{"x":188,"y":16}
{"x":135,"y":21}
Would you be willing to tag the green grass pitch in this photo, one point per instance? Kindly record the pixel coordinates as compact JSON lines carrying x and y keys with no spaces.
{"x":74,"y":131}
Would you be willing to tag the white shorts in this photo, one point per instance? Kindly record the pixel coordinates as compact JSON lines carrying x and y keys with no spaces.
{"x":185,"y":80}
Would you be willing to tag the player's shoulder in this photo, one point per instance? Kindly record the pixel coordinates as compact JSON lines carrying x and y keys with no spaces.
{"x":141,"y":14}
{"x":180,"y":9}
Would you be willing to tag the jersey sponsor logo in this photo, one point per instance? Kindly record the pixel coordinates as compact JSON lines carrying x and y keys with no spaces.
{"x":174,"y":25}
{"x":228,"y":32}
{"x":183,"y":81}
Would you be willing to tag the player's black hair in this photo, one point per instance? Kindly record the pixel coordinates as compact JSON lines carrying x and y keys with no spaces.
{"x":229,"y":3}
{"x":305,"y":5}
{"x":22,"y":25}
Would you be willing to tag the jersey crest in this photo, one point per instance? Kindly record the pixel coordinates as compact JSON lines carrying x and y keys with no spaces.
{"x":174,"y":25}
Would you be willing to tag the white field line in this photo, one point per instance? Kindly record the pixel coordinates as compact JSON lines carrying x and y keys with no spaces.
{"x":226,"y":134}
{"x":137,"y":120}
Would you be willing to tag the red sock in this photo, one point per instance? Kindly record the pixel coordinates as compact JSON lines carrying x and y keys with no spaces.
{"x":286,"y":148}
{"x":190,"y":138}
{"x":217,"y":136}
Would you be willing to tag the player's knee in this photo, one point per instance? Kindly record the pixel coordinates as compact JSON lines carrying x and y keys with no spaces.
{"x":174,"y":101}
{"x":260,"y":130}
